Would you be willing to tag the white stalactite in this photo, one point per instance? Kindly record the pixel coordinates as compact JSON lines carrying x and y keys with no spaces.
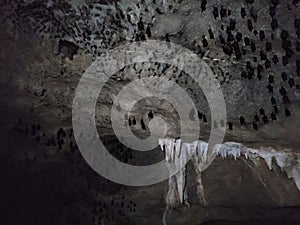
{"x":178,"y":153}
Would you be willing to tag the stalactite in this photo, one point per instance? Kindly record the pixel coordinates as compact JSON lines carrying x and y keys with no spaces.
{"x":178,"y":153}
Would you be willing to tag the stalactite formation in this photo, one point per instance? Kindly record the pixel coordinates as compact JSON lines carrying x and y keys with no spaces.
{"x":178,"y":153}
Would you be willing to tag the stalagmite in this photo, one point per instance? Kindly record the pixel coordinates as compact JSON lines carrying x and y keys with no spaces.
{"x":200,"y":187}
{"x":171,"y":198}
{"x":178,"y":153}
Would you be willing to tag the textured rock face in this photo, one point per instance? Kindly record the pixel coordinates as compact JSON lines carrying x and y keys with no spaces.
{"x":251,"y":46}
{"x":256,"y":68}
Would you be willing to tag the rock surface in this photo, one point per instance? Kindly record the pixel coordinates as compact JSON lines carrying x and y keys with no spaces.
{"x":47,"y":45}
